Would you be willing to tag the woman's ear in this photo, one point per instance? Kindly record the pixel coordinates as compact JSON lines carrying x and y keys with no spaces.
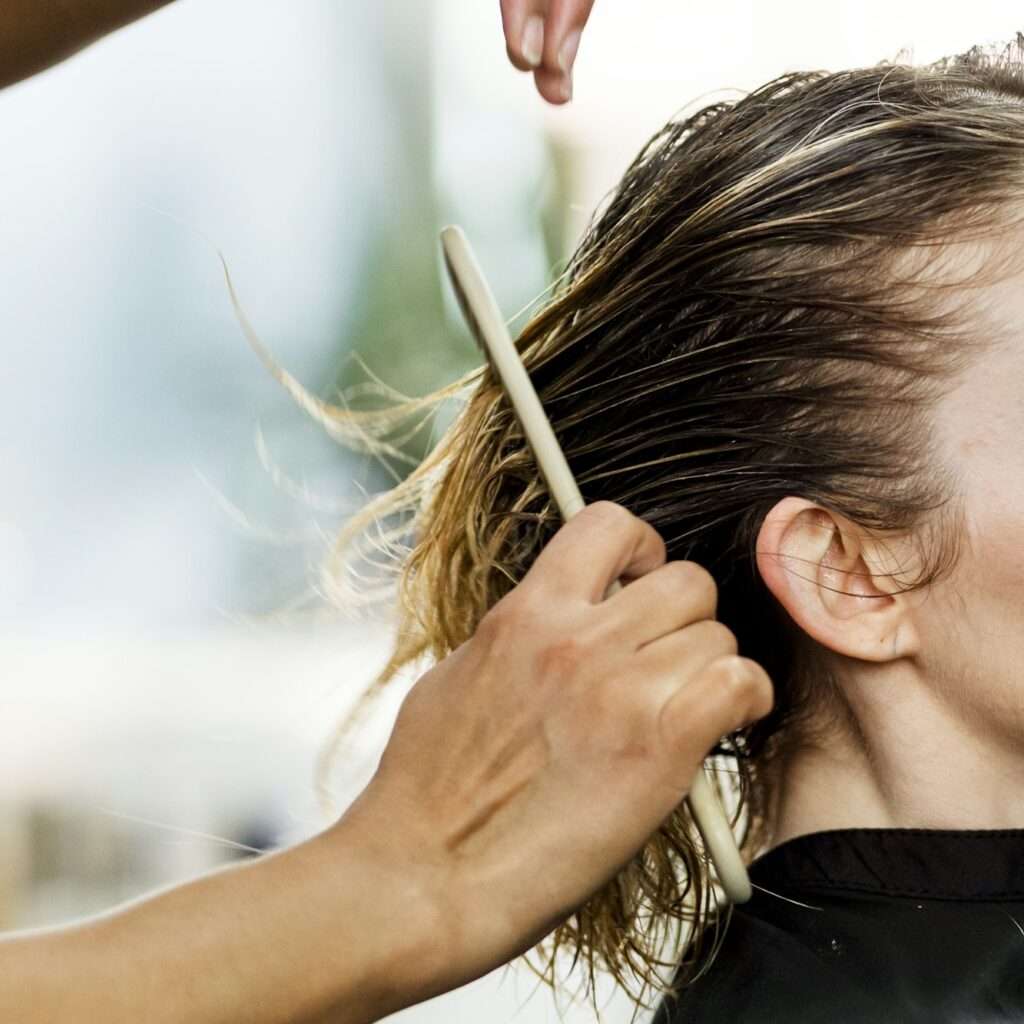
{"x":836,"y":583}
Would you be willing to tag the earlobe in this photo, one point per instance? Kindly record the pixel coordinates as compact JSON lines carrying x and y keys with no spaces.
{"x":823,"y":571}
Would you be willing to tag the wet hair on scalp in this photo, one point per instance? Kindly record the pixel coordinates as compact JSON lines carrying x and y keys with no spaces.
{"x":753,"y":313}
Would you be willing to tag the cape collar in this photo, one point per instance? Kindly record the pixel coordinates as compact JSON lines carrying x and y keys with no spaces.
{"x":951,"y":864}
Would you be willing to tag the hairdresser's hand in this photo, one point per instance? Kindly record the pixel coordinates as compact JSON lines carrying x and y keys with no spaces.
{"x":542,"y":36}
{"x":530,"y":765}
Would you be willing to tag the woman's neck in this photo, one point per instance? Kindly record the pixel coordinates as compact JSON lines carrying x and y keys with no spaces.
{"x":923,"y":763}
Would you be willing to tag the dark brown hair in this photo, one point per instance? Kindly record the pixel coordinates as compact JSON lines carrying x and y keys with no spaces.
{"x":752,"y":314}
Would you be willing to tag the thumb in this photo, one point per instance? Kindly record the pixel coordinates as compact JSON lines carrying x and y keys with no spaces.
{"x":729,"y":693}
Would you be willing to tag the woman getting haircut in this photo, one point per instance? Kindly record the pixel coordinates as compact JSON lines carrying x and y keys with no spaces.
{"x":790,"y":341}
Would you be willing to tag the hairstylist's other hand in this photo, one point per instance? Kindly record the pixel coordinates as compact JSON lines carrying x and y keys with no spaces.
{"x":530,"y":765}
{"x":542,"y":36}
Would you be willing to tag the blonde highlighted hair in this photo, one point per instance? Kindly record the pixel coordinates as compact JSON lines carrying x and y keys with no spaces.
{"x":738,"y":324}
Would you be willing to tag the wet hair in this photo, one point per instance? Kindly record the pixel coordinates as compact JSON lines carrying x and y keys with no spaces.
{"x":752,"y":313}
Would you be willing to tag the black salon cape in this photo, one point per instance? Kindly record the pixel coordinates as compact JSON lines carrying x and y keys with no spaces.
{"x":914,"y":925}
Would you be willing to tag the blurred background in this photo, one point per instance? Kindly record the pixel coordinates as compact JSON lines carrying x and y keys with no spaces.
{"x":168,"y":671}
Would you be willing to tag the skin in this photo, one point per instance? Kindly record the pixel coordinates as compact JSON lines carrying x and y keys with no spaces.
{"x":523,"y":771}
{"x":35,"y":34}
{"x":932,"y":677}
{"x":542,"y":37}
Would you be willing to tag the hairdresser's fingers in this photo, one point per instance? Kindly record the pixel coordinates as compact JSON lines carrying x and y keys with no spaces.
{"x":601,"y":543}
{"x":659,"y":603}
{"x":674,"y":665}
{"x":523,"y":23}
{"x":545,"y":747}
{"x":727,"y":694}
{"x":562,"y":31}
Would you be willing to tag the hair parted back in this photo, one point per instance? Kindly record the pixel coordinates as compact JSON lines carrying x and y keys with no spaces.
{"x":740,"y":322}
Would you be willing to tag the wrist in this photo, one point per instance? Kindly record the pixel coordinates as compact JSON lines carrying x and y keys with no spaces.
{"x":456,"y":912}
{"x":404,"y":905}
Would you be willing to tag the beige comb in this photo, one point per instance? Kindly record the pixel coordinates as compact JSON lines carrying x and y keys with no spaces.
{"x":488,"y":327}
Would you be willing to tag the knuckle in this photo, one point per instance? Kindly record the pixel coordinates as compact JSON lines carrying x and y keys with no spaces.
{"x":699,"y":584}
{"x":512,"y":614}
{"x":714,"y":636}
{"x":593,"y":636}
{"x":617,"y":521}
{"x":684,"y":579}
{"x":761,"y":691}
{"x":525,"y":627}
{"x":492,"y":626}
{"x":561,"y":657}
{"x":736,"y":677}
{"x":660,"y":546}
{"x":607,"y":514}
{"x":666,"y":584}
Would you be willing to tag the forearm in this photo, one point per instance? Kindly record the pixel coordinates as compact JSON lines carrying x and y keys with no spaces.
{"x":325,"y":931}
{"x":34,"y":34}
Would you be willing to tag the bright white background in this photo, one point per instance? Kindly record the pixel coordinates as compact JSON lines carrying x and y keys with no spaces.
{"x":138,"y":678}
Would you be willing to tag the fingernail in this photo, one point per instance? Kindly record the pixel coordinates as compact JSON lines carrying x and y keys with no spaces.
{"x":565,"y":88}
{"x":533,"y":40}
{"x":567,"y":54}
